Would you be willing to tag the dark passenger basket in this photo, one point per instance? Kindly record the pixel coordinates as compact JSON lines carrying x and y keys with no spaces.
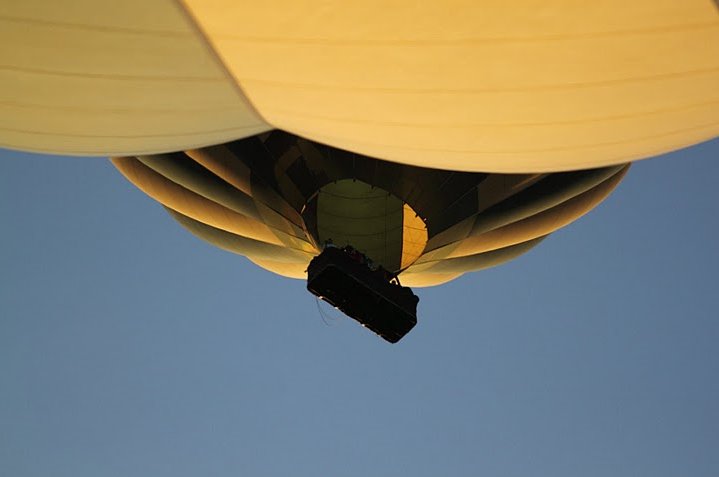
{"x":388,"y":309}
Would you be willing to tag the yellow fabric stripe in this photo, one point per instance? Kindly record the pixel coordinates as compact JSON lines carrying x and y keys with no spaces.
{"x":190,"y":204}
{"x":476,"y":262}
{"x":241,"y":245}
{"x":221,"y":162}
{"x":289,"y":270}
{"x":426,"y":279}
{"x":414,"y":236}
{"x":532,"y":227}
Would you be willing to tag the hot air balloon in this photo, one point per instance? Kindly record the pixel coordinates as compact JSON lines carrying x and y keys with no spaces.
{"x":433,"y":138}
{"x":278,"y":199}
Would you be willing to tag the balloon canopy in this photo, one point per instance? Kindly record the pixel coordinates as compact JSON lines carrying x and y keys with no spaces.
{"x":278,"y":199}
{"x":472,"y":85}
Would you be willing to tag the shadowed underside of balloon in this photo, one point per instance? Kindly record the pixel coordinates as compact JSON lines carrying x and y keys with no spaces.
{"x":278,"y":199}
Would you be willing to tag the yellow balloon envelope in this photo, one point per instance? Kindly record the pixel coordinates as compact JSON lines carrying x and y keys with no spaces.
{"x":490,"y":85}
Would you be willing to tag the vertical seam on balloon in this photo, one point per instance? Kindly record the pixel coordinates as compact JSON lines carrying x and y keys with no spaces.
{"x":204,"y":38}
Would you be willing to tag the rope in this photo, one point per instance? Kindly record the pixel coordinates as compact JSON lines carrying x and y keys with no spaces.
{"x":323,"y":314}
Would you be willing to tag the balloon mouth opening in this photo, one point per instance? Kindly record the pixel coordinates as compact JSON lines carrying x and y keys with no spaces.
{"x":370,"y":219}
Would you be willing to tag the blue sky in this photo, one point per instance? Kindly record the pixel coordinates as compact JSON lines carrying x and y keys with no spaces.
{"x":129,"y":347}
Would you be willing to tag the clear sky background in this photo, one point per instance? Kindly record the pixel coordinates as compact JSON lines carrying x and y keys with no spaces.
{"x":130,"y":348}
